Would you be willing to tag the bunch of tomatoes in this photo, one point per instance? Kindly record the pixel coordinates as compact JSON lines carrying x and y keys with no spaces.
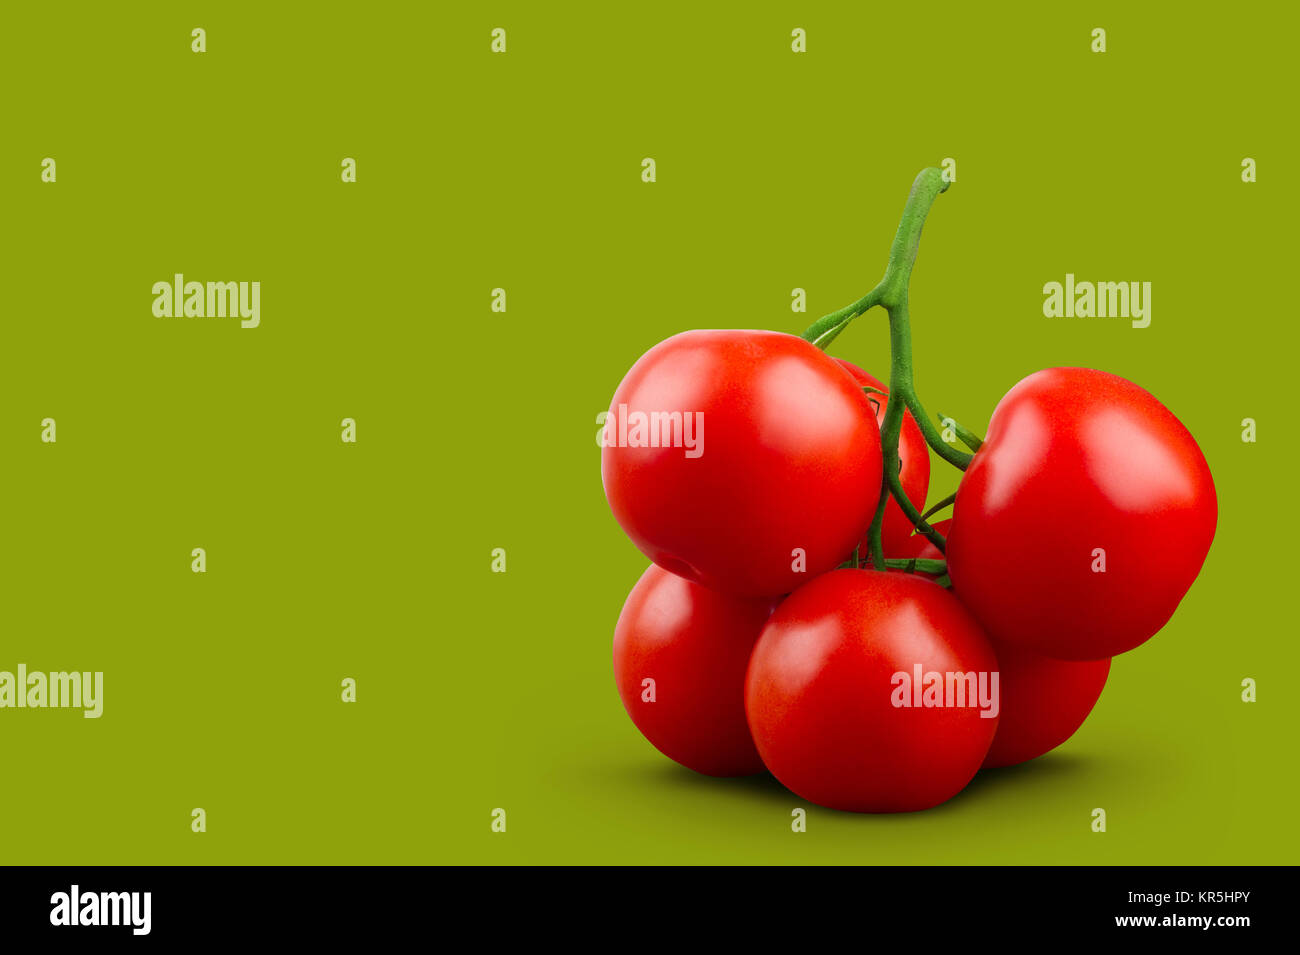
{"x":803,"y":615}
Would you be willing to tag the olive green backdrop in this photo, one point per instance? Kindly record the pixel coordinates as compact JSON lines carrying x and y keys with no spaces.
{"x":476,"y":429}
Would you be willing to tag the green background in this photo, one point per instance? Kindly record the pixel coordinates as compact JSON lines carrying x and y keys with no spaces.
{"x":477,"y":430}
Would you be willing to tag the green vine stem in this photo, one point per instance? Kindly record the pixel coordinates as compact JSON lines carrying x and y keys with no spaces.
{"x":965,"y":435}
{"x":892,"y":293}
{"x":936,"y":508}
{"x":823,"y":331}
{"x":921,"y":565}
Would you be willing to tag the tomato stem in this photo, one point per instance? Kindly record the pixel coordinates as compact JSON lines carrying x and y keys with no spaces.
{"x":900,"y":379}
{"x":965,"y":435}
{"x":893,"y":289}
{"x":933,"y":437}
{"x":936,"y":508}
{"x":891,"y":292}
{"x":823,"y":331}
{"x":922,"y":565}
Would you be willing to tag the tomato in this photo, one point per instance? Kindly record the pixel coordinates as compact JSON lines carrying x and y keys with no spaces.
{"x":1043,"y":702}
{"x":1084,"y":517}
{"x":694,"y":644}
{"x":829,"y":678}
{"x":913,"y":455}
{"x":769,"y":478}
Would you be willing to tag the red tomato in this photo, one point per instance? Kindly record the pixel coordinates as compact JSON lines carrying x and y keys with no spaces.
{"x":694,"y":644}
{"x":1043,"y":702}
{"x":788,"y":467}
{"x":1083,"y":519}
{"x":829,"y":677}
{"x":913,"y":455}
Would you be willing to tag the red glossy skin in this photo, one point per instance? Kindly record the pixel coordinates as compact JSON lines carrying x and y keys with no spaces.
{"x":913,"y":455}
{"x":1075,"y":460}
{"x":695,"y":644}
{"x":819,"y":693}
{"x":1043,"y":702}
{"x":790,"y":459}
